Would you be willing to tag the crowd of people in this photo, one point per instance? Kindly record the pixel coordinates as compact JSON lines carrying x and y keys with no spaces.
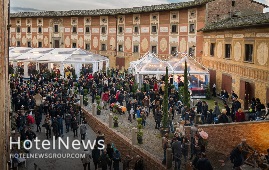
{"x":54,"y":98}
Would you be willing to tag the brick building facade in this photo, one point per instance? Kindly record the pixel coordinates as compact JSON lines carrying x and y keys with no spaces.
{"x":4,"y":90}
{"x":236,"y":51}
{"x":123,"y":34}
{"x":126,"y":34}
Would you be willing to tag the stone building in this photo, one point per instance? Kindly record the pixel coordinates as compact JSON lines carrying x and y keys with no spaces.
{"x":236,"y":51}
{"x":126,"y":34}
{"x":4,"y":90}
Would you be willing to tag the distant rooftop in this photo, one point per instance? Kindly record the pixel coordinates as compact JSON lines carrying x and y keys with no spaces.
{"x":239,"y":22}
{"x":98,"y":12}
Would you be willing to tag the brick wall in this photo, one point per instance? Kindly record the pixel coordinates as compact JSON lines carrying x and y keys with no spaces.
{"x":122,"y":143}
{"x":224,"y":137}
{"x":221,"y":9}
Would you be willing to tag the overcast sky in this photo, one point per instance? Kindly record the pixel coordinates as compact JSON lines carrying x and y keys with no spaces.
{"x":50,"y":5}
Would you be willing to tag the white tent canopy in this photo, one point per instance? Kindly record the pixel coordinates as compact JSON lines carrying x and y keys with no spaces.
{"x":74,"y":56}
{"x":149,"y":64}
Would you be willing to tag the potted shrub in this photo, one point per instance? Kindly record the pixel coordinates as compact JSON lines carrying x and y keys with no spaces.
{"x":116,"y":123}
{"x":98,"y":101}
{"x":85,"y":101}
{"x":165,"y":120}
{"x":139,"y":133}
{"x":99,"y":109}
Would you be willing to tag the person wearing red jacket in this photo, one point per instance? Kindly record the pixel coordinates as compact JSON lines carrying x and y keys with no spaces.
{"x":240,"y":116}
{"x":105,"y":99}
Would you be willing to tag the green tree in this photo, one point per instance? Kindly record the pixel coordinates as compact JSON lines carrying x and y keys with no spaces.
{"x":165,"y":102}
{"x":186,"y":95}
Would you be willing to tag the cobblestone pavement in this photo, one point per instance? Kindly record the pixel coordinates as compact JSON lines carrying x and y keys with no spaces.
{"x":152,"y":138}
{"x":58,"y":163}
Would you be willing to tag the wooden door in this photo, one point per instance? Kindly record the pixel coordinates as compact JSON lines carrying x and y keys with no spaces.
{"x":242,"y":90}
{"x":56,"y":44}
{"x":249,"y":93}
{"x":212,"y":74}
{"x":226,"y":83}
{"x":120,"y":62}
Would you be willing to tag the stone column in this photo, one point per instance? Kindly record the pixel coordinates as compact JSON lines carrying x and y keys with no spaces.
{"x":25,"y":68}
{"x":169,"y":158}
{"x":94,"y":108}
{"x":134,"y":136}
{"x":81,"y":100}
{"x":110,"y":120}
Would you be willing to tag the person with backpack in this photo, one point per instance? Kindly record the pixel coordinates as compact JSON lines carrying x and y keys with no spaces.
{"x":116,"y":160}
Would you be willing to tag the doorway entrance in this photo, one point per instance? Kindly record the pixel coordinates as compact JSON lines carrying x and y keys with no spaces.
{"x":56,"y":44}
{"x":247,"y":92}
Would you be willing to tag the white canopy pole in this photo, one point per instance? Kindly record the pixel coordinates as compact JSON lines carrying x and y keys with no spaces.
{"x":77,"y":70}
{"x":62,"y":69}
{"x":25,"y":68}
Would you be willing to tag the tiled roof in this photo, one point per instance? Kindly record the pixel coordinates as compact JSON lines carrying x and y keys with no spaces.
{"x":264,"y":5}
{"x":239,"y":22}
{"x":97,"y":12}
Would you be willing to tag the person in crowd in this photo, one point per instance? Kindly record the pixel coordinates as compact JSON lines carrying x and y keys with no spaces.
{"x":236,"y":157}
{"x":240,"y":116}
{"x":126,"y":162}
{"x":116,"y":160}
{"x":199,"y":105}
{"x":110,"y":152}
{"x":203,"y":163}
{"x":95,"y":156}
{"x":75,"y":127}
{"x":185,"y":148}
{"x":214,"y":90}
{"x":86,"y":161}
{"x":194,"y":131}
{"x":165,"y":145}
{"x":60,"y":124}
{"x":100,"y":139}
{"x":235,"y":106}
{"x":104,"y":160}
{"x":83,"y":129}
{"x":223,"y":118}
{"x":68,"y":118}
{"x":204,"y":111}
{"x":216,"y":111}
{"x":38,"y":119}
{"x":139,"y":163}
{"x":177,"y":153}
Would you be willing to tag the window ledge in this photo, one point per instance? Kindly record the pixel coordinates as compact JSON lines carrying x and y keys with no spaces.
{"x":228,"y":58}
{"x":249,"y":62}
